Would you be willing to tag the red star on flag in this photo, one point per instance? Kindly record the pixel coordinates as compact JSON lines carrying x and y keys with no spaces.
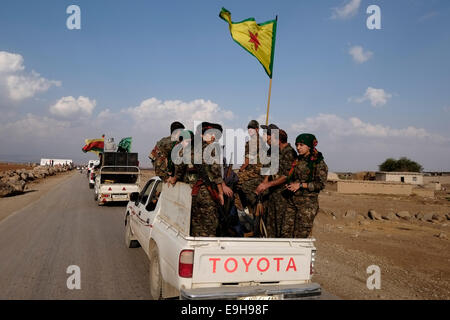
{"x":254,"y":39}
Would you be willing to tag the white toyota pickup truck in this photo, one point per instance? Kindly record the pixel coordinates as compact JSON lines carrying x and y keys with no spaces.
{"x":116,"y":183}
{"x":158,"y":219}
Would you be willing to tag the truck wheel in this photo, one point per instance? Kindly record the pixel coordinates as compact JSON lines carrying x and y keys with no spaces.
{"x":91,"y":186}
{"x":129,"y":242}
{"x":155,"y":278}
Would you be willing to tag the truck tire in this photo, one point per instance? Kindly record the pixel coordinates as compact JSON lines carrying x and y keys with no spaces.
{"x":155,"y":278}
{"x":91,"y":186}
{"x":129,"y":242}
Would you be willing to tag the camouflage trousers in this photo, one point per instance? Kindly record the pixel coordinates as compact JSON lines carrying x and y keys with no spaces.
{"x":161,"y":169}
{"x":275,"y":211}
{"x":246,"y":186}
{"x":300,"y":214}
{"x":204,"y":220}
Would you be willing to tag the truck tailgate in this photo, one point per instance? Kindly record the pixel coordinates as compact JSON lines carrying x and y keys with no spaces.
{"x":119,"y":188}
{"x":241,"y":260}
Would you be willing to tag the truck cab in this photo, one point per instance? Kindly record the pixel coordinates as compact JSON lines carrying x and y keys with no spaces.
{"x":158,"y":220}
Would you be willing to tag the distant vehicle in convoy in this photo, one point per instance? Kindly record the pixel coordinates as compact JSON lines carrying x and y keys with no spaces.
{"x":90,"y":172}
{"x":158,"y":219}
{"x":117,"y":177}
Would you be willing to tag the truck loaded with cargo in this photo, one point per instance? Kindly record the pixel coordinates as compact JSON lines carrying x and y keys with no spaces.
{"x":158,"y":220}
{"x":117,"y":177}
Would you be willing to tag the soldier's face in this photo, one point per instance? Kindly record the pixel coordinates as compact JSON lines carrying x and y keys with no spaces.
{"x":251,"y":132}
{"x":269,"y":140}
{"x":176,"y":135}
{"x":302,"y":149}
{"x":208,"y":138}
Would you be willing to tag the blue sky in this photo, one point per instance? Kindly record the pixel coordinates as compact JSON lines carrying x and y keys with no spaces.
{"x":393,"y":101}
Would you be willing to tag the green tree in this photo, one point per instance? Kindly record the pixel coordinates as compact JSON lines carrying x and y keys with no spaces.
{"x":401,"y":165}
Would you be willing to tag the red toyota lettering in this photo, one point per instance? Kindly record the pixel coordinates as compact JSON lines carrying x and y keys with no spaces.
{"x":214,"y":260}
{"x":258,"y":265}
{"x":235,"y":265}
{"x":278,"y":262}
{"x":291,"y":264}
{"x":247,"y":264}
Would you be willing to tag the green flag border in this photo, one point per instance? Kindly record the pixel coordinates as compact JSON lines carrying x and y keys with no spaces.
{"x":274,"y":34}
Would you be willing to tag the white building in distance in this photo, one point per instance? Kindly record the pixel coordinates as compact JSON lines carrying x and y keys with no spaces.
{"x":404,"y":177}
{"x":56,"y":162}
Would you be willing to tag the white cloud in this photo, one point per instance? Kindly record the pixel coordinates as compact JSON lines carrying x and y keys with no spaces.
{"x":428,"y":16}
{"x":21,"y":87}
{"x":359,"y":55}
{"x":351,"y":144}
{"x":153,"y":112}
{"x":18,"y":85}
{"x":335,"y":126}
{"x":31,"y":127}
{"x":347,"y":10}
{"x":10,"y":62}
{"x":69,"y":107}
{"x":377,"y":97}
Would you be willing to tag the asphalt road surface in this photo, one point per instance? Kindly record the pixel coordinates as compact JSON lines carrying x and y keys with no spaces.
{"x":64,"y":228}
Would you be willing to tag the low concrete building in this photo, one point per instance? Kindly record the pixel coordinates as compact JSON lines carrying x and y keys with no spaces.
{"x":374,"y":187}
{"x":403,"y":177}
{"x":56,"y":162}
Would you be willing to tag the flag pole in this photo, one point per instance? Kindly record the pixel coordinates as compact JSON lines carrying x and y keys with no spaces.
{"x":268,"y":102}
{"x":270,"y":89}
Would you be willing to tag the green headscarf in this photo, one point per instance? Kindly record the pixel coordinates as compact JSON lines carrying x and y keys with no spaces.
{"x":186,"y":135}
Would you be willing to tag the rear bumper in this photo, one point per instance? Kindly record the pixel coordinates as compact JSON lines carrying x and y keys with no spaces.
{"x":301,"y":291}
{"x":110,"y":198}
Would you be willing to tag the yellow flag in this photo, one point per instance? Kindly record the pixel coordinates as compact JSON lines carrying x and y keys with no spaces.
{"x":257,"y":39}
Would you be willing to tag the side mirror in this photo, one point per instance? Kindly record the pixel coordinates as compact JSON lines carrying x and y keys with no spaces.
{"x":134,"y":196}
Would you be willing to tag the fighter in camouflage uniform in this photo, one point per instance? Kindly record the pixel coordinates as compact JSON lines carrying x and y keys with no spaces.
{"x":250,"y":172}
{"x":160,"y":154}
{"x":307,"y":177}
{"x":204,"y":208}
{"x":278,"y":195}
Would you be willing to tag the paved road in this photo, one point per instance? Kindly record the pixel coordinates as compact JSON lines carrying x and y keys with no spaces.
{"x":66,"y":227}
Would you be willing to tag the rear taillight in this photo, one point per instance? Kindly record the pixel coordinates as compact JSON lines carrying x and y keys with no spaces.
{"x":313,"y":259}
{"x":186,"y":263}
{"x":92,"y":176}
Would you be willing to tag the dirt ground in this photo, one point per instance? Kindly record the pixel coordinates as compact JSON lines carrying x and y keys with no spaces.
{"x":4,"y":166}
{"x":414,"y":262}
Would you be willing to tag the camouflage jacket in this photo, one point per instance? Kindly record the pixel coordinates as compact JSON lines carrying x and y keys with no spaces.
{"x":188,"y":173}
{"x":286,"y":158}
{"x":160,"y":157}
{"x":300,"y":172}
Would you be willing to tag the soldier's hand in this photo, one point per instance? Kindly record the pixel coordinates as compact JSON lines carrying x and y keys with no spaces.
{"x":293,"y":186}
{"x":221,"y":200}
{"x":262,"y":187}
{"x":227,"y":191}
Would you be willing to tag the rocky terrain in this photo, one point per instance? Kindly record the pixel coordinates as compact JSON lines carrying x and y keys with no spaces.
{"x":14,"y":181}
